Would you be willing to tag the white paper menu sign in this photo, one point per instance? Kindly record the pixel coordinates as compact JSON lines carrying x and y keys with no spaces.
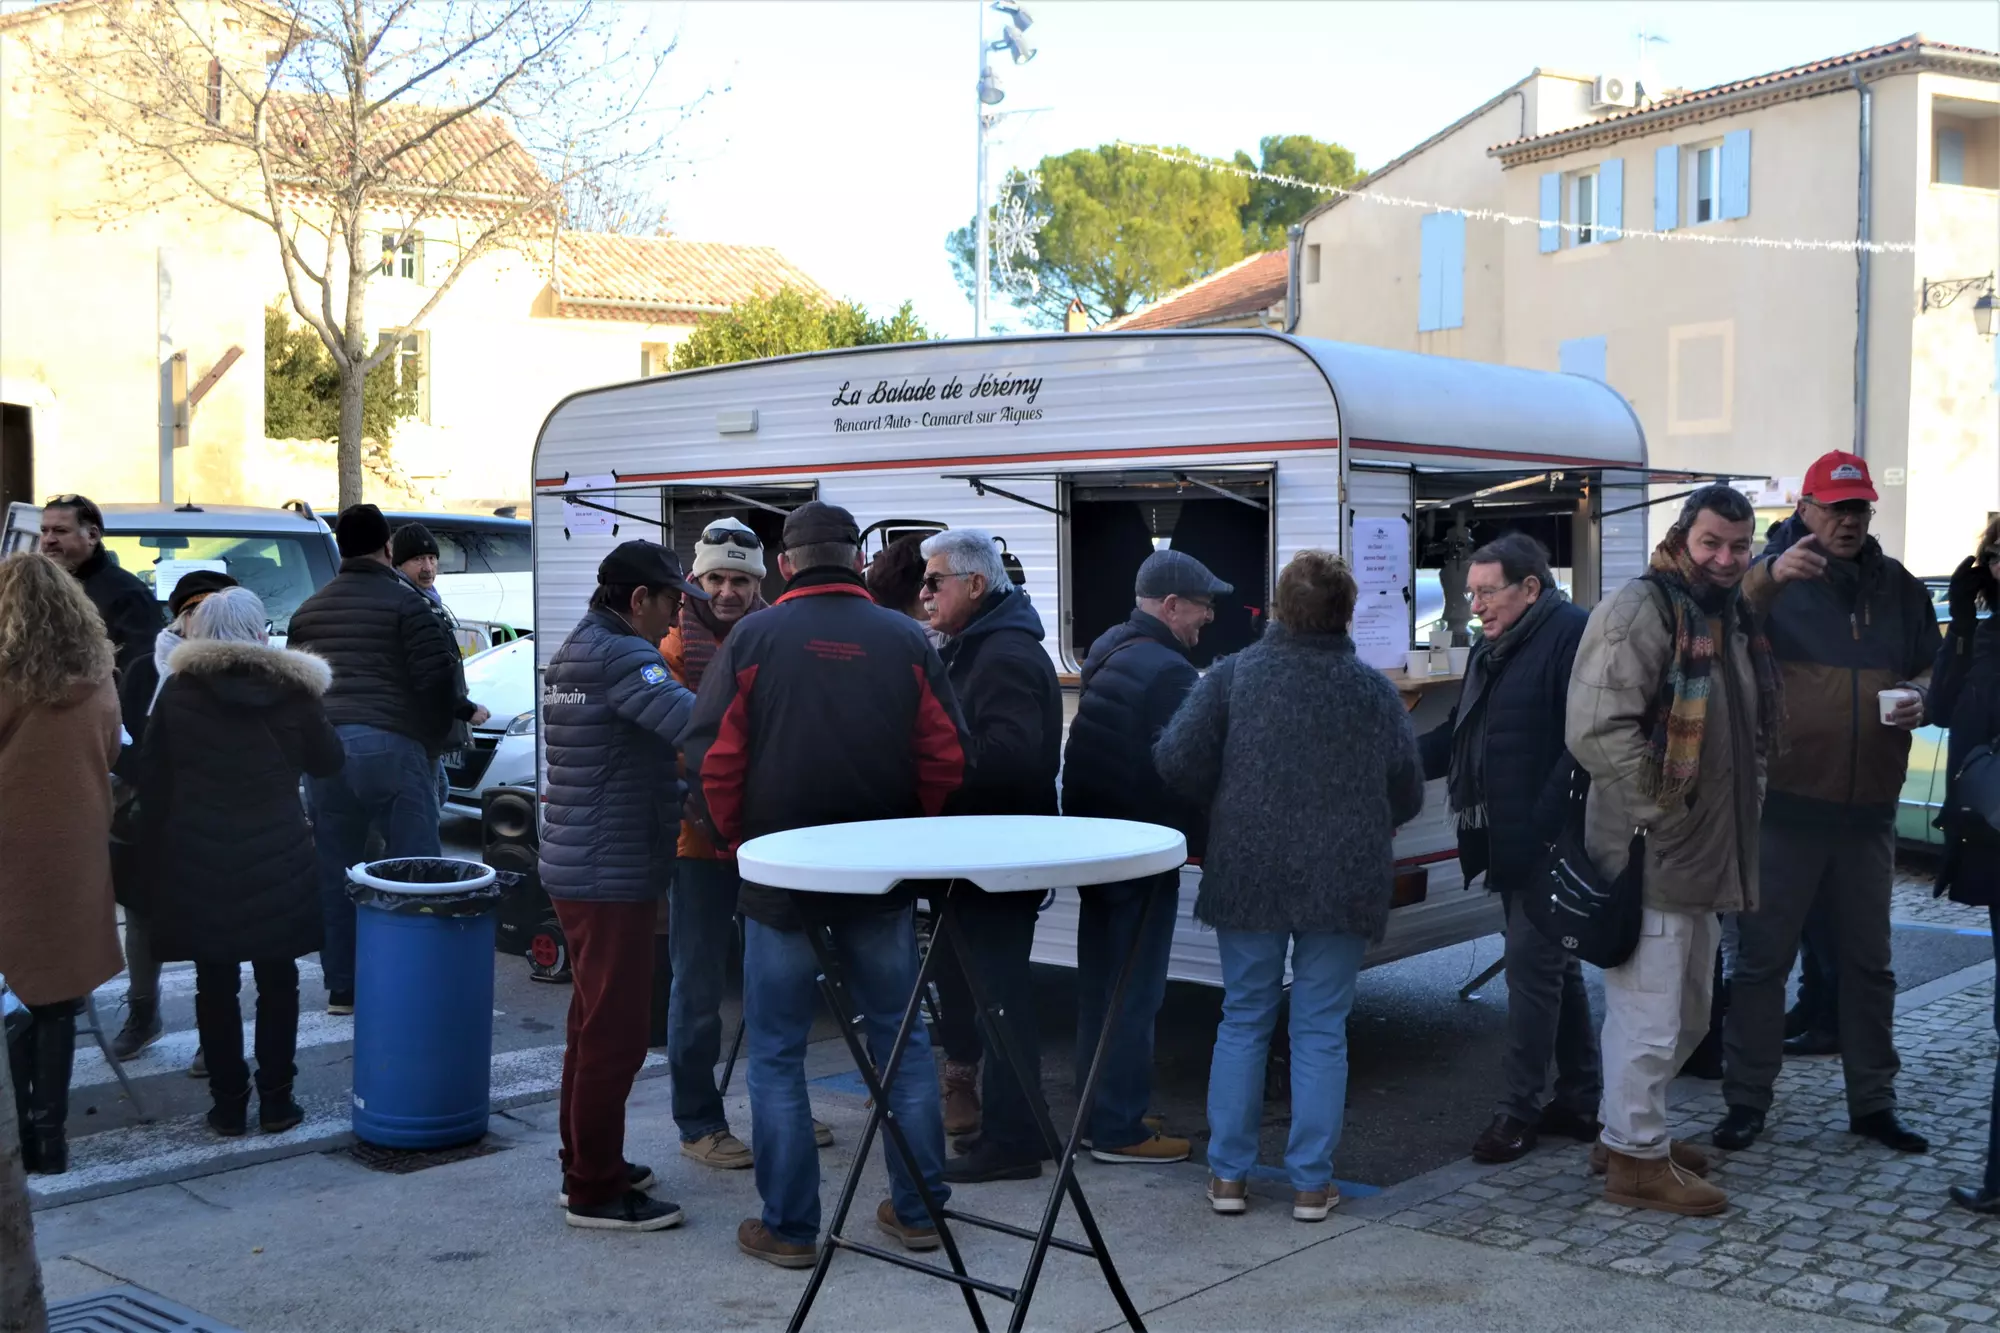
{"x":1382,"y":628}
{"x":167,"y":575}
{"x":1382,"y":553}
{"x":581,"y":519}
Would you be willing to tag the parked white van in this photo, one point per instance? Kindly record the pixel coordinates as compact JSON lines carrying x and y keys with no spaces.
{"x":1087,"y":452}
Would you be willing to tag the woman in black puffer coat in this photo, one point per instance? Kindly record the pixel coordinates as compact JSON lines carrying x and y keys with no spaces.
{"x":1965,"y":700}
{"x":233,"y":877}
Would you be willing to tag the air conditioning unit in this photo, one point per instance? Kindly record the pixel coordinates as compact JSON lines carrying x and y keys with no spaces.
{"x":1612,"y":91}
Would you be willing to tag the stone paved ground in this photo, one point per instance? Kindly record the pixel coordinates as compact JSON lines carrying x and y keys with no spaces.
{"x":1820,"y":1221}
{"x":1912,"y":901}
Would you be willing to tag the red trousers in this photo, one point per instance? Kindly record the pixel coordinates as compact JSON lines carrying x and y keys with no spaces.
{"x":610,"y":1005}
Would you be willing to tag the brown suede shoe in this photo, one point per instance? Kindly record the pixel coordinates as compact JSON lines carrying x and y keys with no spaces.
{"x":1686,"y":1156}
{"x":1661,"y":1184}
{"x":1505,"y":1140}
{"x":923,"y":1236}
{"x":959,"y":1086}
{"x":756,"y":1240}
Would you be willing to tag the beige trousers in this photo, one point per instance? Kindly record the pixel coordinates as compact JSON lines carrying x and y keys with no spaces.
{"x":1655,"y":1014}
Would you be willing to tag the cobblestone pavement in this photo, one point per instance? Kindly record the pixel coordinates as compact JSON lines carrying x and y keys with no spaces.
{"x":1911,"y":900}
{"x":1819,"y":1220}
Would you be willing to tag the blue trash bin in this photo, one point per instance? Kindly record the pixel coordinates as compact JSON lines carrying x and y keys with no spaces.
{"x":423,"y":1000}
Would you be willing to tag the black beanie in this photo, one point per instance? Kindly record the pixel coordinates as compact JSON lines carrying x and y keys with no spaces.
{"x":196,"y":583}
{"x":411,"y":541}
{"x":360,"y":530}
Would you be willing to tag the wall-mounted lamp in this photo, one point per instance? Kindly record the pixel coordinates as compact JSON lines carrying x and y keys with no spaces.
{"x":1937,"y":295}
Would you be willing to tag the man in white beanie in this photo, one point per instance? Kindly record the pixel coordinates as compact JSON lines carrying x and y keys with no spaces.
{"x":729,"y":567}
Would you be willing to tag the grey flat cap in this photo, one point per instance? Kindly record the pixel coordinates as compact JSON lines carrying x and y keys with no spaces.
{"x":1177,"y":574}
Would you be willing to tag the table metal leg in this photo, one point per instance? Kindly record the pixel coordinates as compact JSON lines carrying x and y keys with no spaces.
{"x":878,"y":1082}
{"x":999,"y":1030}
{"x":1470,"y":990}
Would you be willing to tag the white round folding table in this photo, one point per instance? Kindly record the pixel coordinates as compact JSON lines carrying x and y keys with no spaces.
{"x":1000,"y":854}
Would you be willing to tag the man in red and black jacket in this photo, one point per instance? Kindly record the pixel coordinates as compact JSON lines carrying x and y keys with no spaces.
{"x":825,"y":709}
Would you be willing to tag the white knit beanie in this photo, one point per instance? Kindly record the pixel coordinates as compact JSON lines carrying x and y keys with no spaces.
{"x":727,"y":554}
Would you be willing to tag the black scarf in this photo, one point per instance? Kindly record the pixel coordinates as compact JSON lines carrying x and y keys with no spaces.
{"x":1466,"y":785}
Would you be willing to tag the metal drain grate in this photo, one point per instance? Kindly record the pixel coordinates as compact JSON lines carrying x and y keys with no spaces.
{"x":402,"y":1161}
{"x":128,"y":1310}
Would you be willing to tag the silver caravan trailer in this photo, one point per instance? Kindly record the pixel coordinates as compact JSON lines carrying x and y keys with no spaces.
{"x":1085,"y":453}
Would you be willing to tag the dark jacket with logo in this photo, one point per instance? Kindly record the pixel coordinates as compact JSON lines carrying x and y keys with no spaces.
{"x":611,"y":804}
{"x":131,"y":616}
{"x":1866,"y":626}
{"x":231,"y":874}
{"x":1525,"y":709}
{"x":825,"y":709}
{"x":1134,"y":678}
{"x":395,"y":667}
{"x":1012,"y":703}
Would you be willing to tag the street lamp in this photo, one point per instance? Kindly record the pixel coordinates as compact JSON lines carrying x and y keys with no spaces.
{"x":1013,"y":40}
{"x":1941,"y":293}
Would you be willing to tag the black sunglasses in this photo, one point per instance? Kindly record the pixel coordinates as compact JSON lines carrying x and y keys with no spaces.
{"x":731,"y":537}
{"x":932,"y":582}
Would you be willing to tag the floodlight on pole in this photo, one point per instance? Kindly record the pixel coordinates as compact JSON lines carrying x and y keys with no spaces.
{"x":1015,"y":43}
{"x":1015,"y":14}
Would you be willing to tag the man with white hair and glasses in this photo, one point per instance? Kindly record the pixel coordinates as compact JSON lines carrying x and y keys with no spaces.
{"x":1007,"y":691}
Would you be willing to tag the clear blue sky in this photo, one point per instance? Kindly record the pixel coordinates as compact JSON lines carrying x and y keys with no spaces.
{"x":846,"y":133}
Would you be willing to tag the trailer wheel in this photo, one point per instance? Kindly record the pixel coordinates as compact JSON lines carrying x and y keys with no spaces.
{"x":548,"y":955}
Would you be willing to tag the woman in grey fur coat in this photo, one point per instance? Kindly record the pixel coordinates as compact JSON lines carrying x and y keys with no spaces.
{"x":1308,"y":763}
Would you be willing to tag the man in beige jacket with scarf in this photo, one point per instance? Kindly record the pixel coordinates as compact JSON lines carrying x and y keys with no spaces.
{"x":1672,"y":701}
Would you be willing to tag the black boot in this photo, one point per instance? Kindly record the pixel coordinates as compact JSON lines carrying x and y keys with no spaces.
{"x":276,"y":1111}
{"x":1739,"y":1129}
{"x":48,"y":1098}
{"x":230,"y":1115}
{"x":21,"y":1065}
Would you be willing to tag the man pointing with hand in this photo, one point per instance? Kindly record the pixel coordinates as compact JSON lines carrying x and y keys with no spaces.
{"x":1854,"y":635}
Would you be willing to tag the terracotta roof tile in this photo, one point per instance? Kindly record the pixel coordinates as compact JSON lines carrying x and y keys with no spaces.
{"x":1910,"y":45}
{"x":655,"y":271}
{"x":1247,"y":287}
{"x":475,"y":155}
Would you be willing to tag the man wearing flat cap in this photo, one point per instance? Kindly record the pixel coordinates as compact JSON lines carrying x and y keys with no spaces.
{"x":611,"y":810}
{"x":395,"y":695}
{"x":1134,"y":678}
{"x":825,"y":709}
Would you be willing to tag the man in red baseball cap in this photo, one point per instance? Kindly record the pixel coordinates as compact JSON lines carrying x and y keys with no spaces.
{"x":1855,"y":636}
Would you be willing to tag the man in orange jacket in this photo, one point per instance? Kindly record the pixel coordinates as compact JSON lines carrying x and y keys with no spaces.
{"x":729,"y":566}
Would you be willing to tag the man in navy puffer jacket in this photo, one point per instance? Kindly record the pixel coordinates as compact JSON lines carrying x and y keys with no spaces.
{"x":1134,"y":679}
{"x":611,"y":817}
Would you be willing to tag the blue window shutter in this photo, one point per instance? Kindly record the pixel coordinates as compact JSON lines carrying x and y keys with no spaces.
{"x":1666,"y":188}
{"x":1582,"y":356}
{"x":1430,"y":275}
{"x":1950,"y":157}
{"x":1451,"y":271}
{"x":1552,"y":195}
{"x":1611,"y":199}
{"x":1736,"y":174}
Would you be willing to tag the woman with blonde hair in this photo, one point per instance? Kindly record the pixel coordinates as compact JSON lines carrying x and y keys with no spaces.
{"x":1306,"y":761}
{"x":58,"y":741}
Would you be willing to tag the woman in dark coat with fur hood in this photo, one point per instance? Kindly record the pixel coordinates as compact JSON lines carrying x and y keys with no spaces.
{"x":233,"y":877}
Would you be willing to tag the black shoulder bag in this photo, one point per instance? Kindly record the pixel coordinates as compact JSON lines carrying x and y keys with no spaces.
{"x":1576,"y":905}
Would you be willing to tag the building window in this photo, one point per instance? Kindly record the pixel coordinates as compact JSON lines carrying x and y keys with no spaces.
{"x":412,"y":359}
{"x":1704,"y":183}
{"x":405,"y":260}
{"x":655,"y":359}
{"x":1312,"y":263}
{"x":214,"y":111}
{"x":1583,"y":208}
{"x":1965,"y":144}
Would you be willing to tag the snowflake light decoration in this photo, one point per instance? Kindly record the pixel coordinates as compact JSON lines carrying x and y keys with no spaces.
{"x":1015,"y":224}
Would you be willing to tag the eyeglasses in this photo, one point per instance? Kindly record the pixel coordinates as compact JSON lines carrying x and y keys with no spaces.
{"x":932,"y":582}
{"x":749,"y":541}
{"x":1859,"y":510}
{"x":1480,"y":595}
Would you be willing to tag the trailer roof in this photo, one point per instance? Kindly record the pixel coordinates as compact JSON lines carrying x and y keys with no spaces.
{"x":1443,"y":404}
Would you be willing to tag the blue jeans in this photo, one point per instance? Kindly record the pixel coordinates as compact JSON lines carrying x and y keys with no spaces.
{"x":1107,"y":925}
{"x":878,"y":960}
{"x":1324,"y":966}
{"x":700,"y":937}
{"x":389,"y":783}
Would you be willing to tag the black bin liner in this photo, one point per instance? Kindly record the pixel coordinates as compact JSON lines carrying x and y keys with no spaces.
{"x":481,"y":891}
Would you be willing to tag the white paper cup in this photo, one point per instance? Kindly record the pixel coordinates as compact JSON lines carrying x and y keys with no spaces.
{"x":1888,"y":700}
{"x":1417,"y":662}
{"x":1460,"y":658}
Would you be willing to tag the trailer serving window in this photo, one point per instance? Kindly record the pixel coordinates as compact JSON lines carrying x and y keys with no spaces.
{"x":1111,"y":521}
{"x":1458,"y":512}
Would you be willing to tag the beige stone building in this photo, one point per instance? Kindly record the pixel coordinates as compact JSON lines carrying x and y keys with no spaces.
{"x":85,"y":234}
{"x":1737,"y":358}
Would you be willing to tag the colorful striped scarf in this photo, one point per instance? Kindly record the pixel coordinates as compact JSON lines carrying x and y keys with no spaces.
{"x":1680,"y":712}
